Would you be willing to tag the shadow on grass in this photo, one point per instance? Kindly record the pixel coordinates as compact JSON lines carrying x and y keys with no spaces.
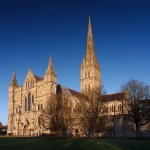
{"x":46,"y":143}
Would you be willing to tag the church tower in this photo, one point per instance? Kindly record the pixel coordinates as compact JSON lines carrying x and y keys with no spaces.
{"x":11,"y":103}
{"x":90,"y":69}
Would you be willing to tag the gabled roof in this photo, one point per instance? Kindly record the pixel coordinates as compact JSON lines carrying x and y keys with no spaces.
{"x":105,"y":98}
{"x":38,"y":78}
{"x":71,"y":92}
{"x":33,"y":76}
{"x":112,"y":97}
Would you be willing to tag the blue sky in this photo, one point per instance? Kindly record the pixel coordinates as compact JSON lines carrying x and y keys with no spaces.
{"x":32,"y":30}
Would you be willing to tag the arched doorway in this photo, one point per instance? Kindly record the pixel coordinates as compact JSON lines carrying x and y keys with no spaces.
{"x":25,"y":130}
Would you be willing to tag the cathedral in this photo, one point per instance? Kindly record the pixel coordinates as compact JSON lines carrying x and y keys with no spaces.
{"x":26,"y":102}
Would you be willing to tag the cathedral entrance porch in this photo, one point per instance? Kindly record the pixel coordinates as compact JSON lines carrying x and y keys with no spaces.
{"x":26,"y":131}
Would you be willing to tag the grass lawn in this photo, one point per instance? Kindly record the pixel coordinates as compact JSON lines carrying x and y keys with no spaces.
{"x":46,"y":143}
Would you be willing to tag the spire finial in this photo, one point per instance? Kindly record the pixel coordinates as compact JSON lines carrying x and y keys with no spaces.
{"x":14,"y":73}
{"x":89,"y":19}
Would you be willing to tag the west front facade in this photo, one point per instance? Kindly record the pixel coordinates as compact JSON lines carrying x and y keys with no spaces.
{"x":26,"y":102}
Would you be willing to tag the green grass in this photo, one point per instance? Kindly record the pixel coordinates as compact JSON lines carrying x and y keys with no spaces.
{"x":46,"y":143}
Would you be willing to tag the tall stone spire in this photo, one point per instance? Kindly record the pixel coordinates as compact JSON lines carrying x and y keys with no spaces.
{"x":90,"y":42}
{"x":14,"y":80}
{"x":50,"y":69}
{"x":90,"y":70}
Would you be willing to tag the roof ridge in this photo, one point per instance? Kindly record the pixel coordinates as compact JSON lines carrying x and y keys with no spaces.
{"x":37,"y":77}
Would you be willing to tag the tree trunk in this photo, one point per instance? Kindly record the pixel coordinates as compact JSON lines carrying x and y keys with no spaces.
{"x":137,"y":130}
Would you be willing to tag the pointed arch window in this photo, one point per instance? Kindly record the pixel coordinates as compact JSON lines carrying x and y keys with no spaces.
{"x":89,"y":73}
{"x":32,"y":99}
{"x":33,"y":83}
{"x":40,"y":106}
{"x":89,"y":87}
{"x":30,"y":84}
{"x":25,"y":106}
{"x":85,"y":74}
{"x":120,"y":107}
{"x":17,"y":109}
{"x":29,"y":102}
{"x":85,"y":87}
{"x":112,"y":108}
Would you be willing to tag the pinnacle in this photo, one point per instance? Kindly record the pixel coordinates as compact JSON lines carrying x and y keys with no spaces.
{"x":14,"y":80}
{"x":50,"y":69}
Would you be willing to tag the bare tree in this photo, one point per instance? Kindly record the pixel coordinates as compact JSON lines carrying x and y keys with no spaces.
{"x":138,"y":106}
{"x":1,"y":126}
{"x":91,"y":115}
{"x":56,"y":116}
